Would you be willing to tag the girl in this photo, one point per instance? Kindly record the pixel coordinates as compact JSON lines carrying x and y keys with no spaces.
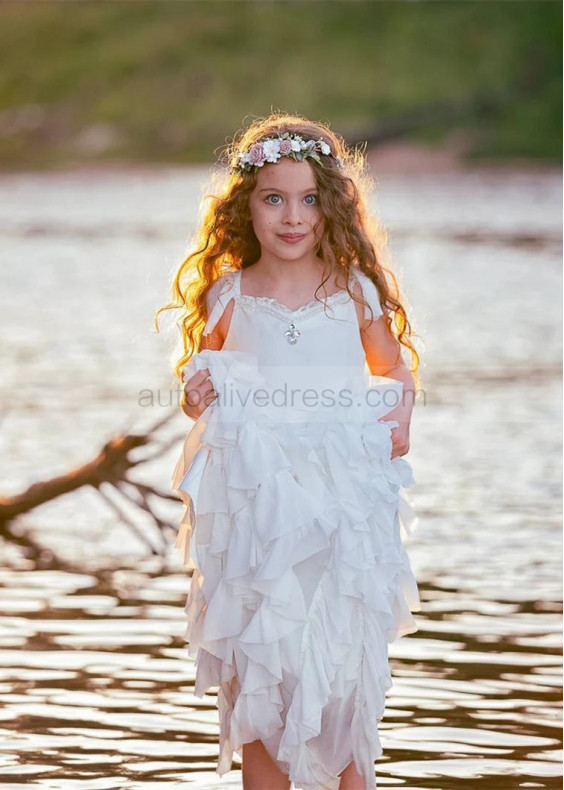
{"x":291,"y":480}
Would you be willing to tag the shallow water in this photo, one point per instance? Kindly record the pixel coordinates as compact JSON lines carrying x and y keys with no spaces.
{"x":97,"y":691}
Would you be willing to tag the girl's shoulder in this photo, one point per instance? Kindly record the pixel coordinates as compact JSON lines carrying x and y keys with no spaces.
{"x":225,"y":284}
{"x":369,"y":293}
{"x":217,"y":298}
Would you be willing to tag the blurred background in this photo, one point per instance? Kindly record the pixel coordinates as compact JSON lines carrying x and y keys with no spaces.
{"x":112,"y":116}
{"x":141,"y":82}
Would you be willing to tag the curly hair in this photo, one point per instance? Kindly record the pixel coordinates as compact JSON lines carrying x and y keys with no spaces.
{"x":225,"y":239}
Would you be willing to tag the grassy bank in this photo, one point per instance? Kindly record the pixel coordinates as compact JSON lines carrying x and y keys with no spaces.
{"x":170,"y":81}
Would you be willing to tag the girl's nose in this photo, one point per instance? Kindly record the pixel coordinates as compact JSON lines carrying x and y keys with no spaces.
{"x":292,"y":213}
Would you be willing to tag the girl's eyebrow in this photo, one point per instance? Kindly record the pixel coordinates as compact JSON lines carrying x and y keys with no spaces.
{"x":274,"y":189}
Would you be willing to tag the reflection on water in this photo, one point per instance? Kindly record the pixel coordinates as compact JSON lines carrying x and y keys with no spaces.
{"x":97,"y":690}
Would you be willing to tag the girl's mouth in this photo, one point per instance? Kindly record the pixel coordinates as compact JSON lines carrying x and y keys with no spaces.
{"x":291,"y":238}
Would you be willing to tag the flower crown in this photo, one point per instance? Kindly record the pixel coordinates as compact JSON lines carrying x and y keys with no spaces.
{"x":272,"y":148}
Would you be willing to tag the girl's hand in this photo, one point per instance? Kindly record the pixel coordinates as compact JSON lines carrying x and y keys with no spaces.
{"x":198,"y":394}
{"x":400,"y":439}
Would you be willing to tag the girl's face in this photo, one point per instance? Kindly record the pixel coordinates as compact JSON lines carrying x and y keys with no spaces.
{"x":285,"y":201}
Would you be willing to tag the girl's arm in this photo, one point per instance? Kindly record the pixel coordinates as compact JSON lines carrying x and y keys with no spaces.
{"x":213,"y":340}
{"x":216,"y":338}
{"x":383,"y":355}
{"x":198,"y":388}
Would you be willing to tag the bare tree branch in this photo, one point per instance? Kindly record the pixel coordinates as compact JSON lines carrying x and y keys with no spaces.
{"x":107,"y":471}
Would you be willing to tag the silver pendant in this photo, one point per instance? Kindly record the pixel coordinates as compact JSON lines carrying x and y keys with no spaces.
{"x":292,"y":333}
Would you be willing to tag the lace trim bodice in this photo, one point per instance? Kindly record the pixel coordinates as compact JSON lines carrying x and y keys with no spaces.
{"x":276,"y":309}
{"x":229,"y":287}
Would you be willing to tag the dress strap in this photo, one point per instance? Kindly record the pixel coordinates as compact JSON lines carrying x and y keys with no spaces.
{"x":222,"y":290}
{"x":370,"y":294}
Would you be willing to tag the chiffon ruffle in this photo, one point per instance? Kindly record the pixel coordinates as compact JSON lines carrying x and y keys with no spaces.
{"x":294,"y":530}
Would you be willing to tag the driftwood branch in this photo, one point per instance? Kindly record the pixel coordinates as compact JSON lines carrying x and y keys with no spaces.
{"x":108,"y":473}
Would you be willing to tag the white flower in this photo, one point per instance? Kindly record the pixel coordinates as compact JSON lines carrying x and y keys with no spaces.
{"x":271,"y":150}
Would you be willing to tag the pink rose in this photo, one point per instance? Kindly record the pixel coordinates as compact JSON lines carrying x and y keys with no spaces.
{"x":285,"y":147}
{"x":256,"y":154}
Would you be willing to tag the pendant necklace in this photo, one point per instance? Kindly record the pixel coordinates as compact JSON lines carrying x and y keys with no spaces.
{"x":292,"y":334}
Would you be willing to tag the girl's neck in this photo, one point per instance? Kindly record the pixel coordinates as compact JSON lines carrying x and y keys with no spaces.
{"x":289,"y":281}
{"x":286,"y":274}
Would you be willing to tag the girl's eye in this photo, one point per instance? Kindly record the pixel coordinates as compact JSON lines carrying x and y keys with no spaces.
{"x":307,"y":196}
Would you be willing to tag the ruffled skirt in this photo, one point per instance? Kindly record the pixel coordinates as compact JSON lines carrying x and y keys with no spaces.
{"x":294,"y":532}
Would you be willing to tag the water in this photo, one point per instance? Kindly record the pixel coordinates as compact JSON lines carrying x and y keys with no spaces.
{"x":97,"y":691}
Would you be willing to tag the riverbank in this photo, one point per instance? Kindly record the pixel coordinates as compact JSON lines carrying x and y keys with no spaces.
{"x":394,"y":158}
{"x":404,"y":158}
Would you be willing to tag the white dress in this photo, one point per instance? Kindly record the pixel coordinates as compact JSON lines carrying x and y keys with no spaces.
{"x":294,"y":527}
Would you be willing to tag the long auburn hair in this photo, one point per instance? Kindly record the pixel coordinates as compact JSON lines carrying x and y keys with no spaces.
{"x":225,"y":239}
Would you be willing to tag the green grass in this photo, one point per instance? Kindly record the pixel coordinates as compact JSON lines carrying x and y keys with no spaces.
{"x":171,"y":81}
